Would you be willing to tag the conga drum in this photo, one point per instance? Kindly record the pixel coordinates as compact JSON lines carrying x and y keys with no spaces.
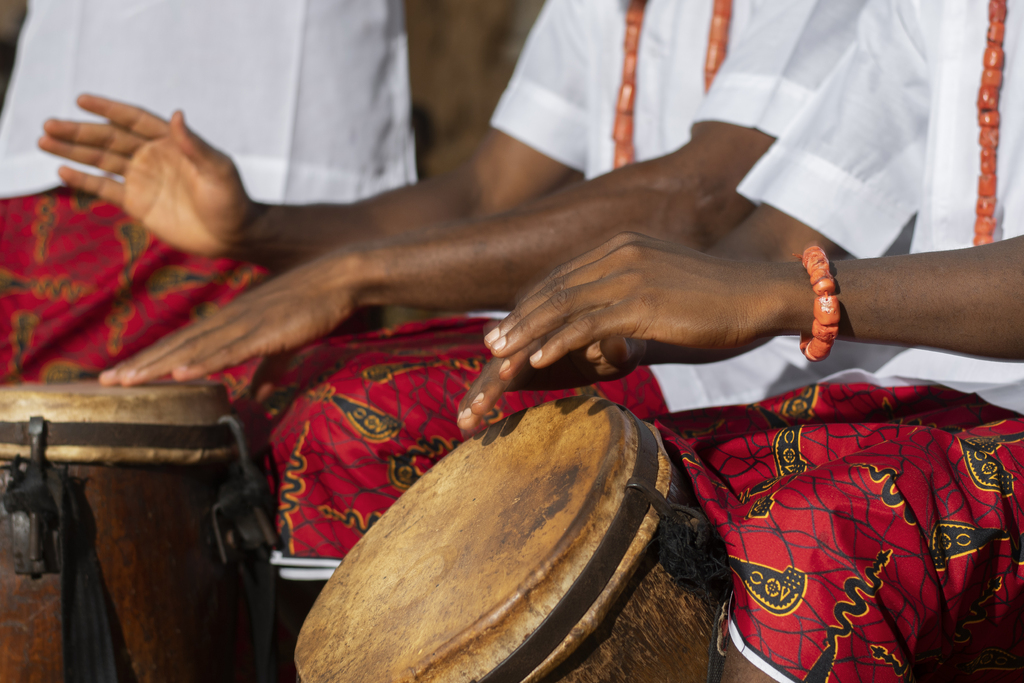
{"x":524,"y":555}
{"x":132,"y":475}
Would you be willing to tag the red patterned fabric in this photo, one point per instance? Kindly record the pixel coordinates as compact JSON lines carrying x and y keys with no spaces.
{"x":82,"y":286}
{"x":370,"y":413}
{"x":874,"y":534}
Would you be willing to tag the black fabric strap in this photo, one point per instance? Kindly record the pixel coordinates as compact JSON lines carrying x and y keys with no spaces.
{"x":85,"y":626}
{"x":118,"y":435}
{"x":258,"y":577}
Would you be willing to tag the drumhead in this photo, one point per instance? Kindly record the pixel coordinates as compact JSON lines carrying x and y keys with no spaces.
{"x":490,"y":548}
{"x":192,"y":404}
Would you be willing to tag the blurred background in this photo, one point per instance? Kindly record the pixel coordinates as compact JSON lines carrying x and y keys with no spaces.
{"x":461,"y":55}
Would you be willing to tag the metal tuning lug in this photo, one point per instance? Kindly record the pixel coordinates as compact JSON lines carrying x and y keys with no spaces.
{"x":33,"y":509}
{"x":244,"y":508}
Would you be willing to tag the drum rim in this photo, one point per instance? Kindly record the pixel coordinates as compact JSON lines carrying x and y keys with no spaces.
{"x":314,"y":657}
{"x":596,"y":574}
{"x":123,"y":435}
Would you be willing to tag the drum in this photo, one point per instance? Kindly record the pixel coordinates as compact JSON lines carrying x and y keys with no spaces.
{"x":132,"y":475}
{"x":525,"y":555}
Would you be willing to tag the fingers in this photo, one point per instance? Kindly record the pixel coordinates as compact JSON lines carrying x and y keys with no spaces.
{"x":498,"y":376}
{"x":583,"y":268}
{"x":102,"y":159}
{"x":622,"y":352}
{"x":101,"y":135}
{"x":194,"y":352}
{"x":557,"y":289}
{"x":560,"y":305}
{"x":600,"y":326}
{"x":106,"y":189}
{"x":134,"y":119}
{"x":480,"y":399}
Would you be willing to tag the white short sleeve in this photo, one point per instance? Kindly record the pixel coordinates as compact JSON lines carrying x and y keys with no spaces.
{"x":779,"y":61}
{"x":851,"y":166}
{"x":545,"y":104}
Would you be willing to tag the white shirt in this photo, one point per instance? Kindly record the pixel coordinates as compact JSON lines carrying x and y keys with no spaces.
{"x":896,"y":131}
{"x":309,"y":97}
{"x":561,"y":102}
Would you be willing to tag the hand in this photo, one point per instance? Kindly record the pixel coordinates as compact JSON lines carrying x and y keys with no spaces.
{"x":184,"y":191}
{"x":277,"y":317}
{"x":635,"y":287}
{"x":602,"y":361}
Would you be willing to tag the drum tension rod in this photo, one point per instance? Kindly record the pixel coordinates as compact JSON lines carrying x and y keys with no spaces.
{"x":242,"y":503}
{"x":32,"y":501}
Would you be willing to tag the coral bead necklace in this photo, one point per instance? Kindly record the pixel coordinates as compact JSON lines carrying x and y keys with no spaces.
{"x":988,"y":120}
{"x":718,"y":41}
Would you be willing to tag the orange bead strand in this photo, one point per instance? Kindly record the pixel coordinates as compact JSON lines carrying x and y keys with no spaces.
{"x":988,"y":121}
{"x":718,"y":41}
{"x":825,"y":328}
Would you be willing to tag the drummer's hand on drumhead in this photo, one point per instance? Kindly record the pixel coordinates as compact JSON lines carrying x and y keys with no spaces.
{"x":282,"y":315}
{"x":602,"y":361}
{"x":638,"y":287}
{"x":187,"y":193}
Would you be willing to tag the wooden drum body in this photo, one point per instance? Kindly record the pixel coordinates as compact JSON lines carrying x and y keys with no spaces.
{"x":524,"y":555}
{"x":171,"y":603}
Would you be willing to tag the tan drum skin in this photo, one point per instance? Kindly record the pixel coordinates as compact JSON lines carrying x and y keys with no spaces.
{"x":472,"y":559}
{"x":193,"y":403}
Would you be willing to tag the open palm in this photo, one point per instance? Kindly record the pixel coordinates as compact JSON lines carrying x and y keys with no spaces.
{"x":184,"y":191}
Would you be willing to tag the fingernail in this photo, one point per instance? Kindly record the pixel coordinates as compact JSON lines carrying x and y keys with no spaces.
{"x":464,"y":415}
{"x":108,"y":375}
{"x":505,"y":366}
{"x":479,"y":398}
{"x":535,"y":358}
{"x":499,"y":345}
{"x":492,"y":335}
{"x":129,"y":375}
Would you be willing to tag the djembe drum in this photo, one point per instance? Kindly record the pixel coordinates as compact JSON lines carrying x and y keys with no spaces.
{"x":524,"y":555}
{"x":105,"y":534}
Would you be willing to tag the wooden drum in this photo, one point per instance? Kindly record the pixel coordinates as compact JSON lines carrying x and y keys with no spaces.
{"x":140,"y":468}
{"x":524,"y":555}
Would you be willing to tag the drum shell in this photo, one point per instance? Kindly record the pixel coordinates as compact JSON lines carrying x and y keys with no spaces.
{"x":654,"y":632}
{"x":640,"y":628}
{"x":172,"y":605}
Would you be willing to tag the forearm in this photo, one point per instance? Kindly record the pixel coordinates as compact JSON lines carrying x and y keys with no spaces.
{"x":502,"y":174}
{"x":687,"y":197}
{"x":768,"y":234}
{"x":962,"y":301}
{"x":280,"y":236}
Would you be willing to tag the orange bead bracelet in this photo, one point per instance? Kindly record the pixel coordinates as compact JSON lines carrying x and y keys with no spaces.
{"x":825,"y":328}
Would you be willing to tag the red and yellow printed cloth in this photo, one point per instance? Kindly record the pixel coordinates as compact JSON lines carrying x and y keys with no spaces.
{"x":874,"y":534}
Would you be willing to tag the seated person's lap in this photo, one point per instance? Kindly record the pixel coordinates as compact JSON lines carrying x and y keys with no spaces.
{"x":371,"y":413}
{"x":868,"y":529}
{"x":83,"y":286}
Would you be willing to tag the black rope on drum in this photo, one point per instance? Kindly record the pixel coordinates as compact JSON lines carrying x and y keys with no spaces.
{"x":694,"y":555}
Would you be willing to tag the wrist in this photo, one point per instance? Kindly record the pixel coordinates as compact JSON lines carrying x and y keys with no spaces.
{"x":786,"y":304}
{"x":253,"y":236}
{"x":357,"y":273}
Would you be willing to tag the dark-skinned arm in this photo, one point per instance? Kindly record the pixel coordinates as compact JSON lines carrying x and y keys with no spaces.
{"x":640,"y":289}
{"x":480,"y":264}
{"x":688,"y":197}
{"x":502,"y":174}
{"x":190,"y":195}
